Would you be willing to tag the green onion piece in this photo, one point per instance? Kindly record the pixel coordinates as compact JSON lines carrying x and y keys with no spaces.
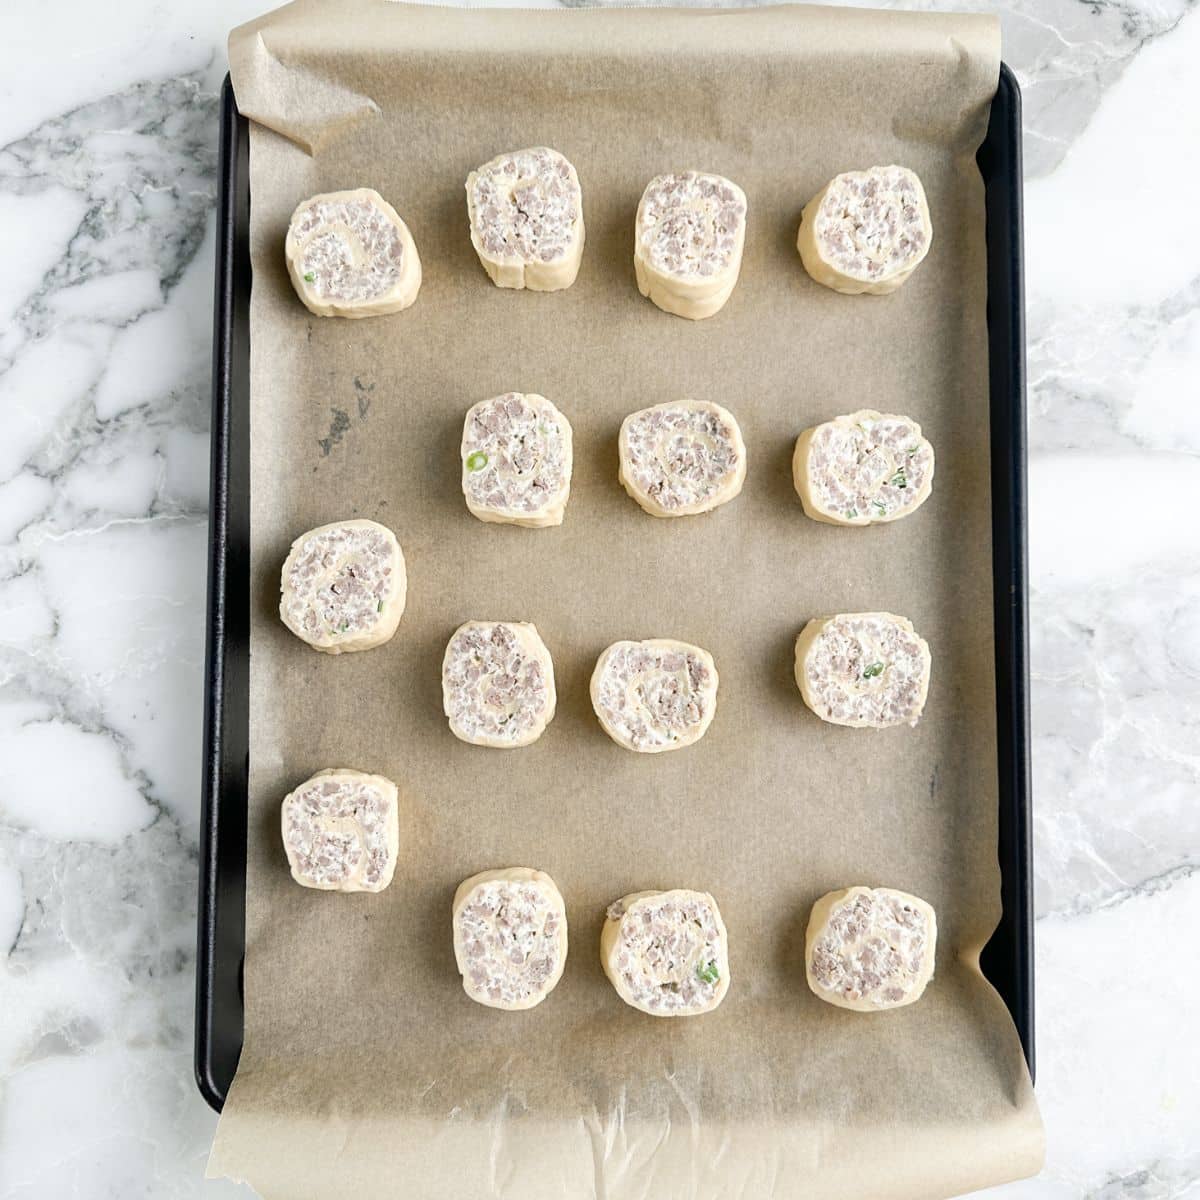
{"x":708,"y":973}
{"x":911,"y":451}
{"x":379,"y":606}
{"x":476,"y":460}
{"x":852,"y":512}
{"x":876,"y":668}
{"x":309,"y":276}
{"x":879,"y":504}
{"x":899,"y":480}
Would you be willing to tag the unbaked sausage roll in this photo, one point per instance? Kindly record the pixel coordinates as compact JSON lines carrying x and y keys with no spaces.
{"x":350,"y":255}
{"x":526,"y":212}
{"x":510,"y":937}
{"x":863,"y":469}
{"x":516,"y":460}
{"x":497,"y":684}
{"x":681,"y":458}
{"x":870,"y":949}
{"x":341,"y":831}
{"x":656,"y":695}
{"x":866,"y":231}
{"x":688,"y":239}
{"x":343,"y":586}
{"x":867,"y":670}
{"x":667,"y":953}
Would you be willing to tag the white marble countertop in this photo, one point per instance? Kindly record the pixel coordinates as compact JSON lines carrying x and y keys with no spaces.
{"x":108,"y":133}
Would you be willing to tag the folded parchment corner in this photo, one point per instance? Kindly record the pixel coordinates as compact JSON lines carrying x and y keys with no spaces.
{"x":277,"y":87}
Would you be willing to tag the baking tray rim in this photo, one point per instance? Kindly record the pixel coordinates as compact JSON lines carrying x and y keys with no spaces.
{"x":1006,"y":960}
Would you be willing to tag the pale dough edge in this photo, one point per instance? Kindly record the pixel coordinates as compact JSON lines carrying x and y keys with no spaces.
{"x":659,"y":291}
{"x":549,"y":518}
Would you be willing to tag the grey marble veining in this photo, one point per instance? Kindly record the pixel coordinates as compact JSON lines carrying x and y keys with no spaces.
{"x":1065,"y":54}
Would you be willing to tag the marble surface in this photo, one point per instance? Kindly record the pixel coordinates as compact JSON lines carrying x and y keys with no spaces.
{"x":108,"y":131}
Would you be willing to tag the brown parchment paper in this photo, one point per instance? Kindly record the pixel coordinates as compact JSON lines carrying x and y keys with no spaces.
{"x":366,"y":1071}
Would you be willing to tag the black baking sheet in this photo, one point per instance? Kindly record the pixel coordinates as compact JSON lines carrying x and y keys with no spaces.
{"x":1008,"y":958}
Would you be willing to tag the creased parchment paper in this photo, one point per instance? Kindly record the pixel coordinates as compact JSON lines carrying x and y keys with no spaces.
{"x":366,"y":1071}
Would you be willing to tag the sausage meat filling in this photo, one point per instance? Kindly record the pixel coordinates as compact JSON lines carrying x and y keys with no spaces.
{"x":654,"y":695}
{"x":669,"y":956}
{"x":516,"y":455}
{"x":526,"y":206}
{"x":691,"y":225}
{"x":863,"y":669}
{"x":875,"y":947}
{"x":867,"y":467}
{"x":509,"y":937}
{"x":497,"y":683}
{"x":336,"y":832}
{"x":342,"y":582}
{"x":348,"y":248}
{"x":873,"y":225}
{"x":681,"y":458}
